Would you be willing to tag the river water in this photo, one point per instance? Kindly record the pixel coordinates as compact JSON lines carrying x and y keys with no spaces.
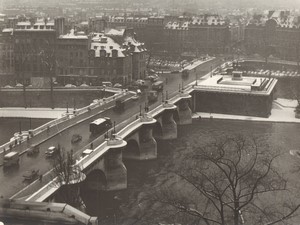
{"x":127,"y":207}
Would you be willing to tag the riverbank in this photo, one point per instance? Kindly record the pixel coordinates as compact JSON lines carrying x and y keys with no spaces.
{"x":38,"y":113}
{"x":283,"y":111}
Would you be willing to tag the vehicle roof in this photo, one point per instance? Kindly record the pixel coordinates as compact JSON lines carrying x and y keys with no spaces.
{"x":10,"y":154}
{"x":87,"y":151}
{"x":158,"y":82}
{"x":51,"y":147}
{"x":99,"y":121}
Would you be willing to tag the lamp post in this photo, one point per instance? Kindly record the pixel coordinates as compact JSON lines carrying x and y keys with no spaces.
{"x":114,"y":127}
{"x":140,"y":110}
{"x":20,"y":127}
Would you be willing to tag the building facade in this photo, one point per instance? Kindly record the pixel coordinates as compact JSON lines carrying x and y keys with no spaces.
{"x":276,"y":34}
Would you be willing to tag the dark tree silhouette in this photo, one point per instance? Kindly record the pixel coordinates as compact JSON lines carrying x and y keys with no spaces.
{"x":67,"y":177}
{"x":231,"y":181}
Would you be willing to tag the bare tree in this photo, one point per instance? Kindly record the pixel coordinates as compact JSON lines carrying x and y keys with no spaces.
{"x":230,"y":181}
{"x":67,"y":177}
{"x":48,"y":59}
{"x":22,"y":58}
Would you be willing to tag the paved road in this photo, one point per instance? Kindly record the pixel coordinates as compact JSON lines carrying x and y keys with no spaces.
{"x":12,"y":180}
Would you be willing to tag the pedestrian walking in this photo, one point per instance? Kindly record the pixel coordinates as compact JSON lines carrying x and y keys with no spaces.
{"x":41,"y":178}
{"x":92,"y":145}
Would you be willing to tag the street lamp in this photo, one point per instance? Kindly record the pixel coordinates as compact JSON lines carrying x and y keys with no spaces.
{"x":20,"y":127}
{"x":114,"y":127}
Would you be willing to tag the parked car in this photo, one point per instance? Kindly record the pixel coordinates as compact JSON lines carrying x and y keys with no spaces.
{"x":76,"y":138}
{"x":117,"y":85}
{"x":135,"y":97}
{"x":86,"y":152}
{"x":51,"y":151}
{"x":107,"y":84}
{"x":153,"y":96}
{"x":10,"y":159}
{"x":33,"y":150}
{"x":31,"y":175}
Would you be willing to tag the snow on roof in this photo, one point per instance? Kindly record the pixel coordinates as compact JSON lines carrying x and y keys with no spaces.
{"x":177,"y":25}
{"x":115,"y":32}
{"x":98,"y":121}
{"x":102,"y":42}
{"x":72,"y":35}
{"x":7,"y":30}
{"x":26,"y":23}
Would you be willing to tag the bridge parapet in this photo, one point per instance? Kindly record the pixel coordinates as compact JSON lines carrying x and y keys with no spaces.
{"x":53,"y":127}
{"x":58,"y":213}
{"x":145,"y":138}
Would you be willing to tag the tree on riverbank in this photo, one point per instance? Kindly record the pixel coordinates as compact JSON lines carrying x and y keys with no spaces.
{"x":230,"y":181}
{"x":67,"y":177}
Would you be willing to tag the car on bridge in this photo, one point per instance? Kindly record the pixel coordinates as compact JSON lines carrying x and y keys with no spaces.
{"x":76,"y":138}
{"x":31,"y":175}
{"x":51,"y":151}
{"x":100,"y":126}
{"x":153,"y":96}
{"x":10,"y":159}
{"x":120,"y":106}
{"x":33,"y":150}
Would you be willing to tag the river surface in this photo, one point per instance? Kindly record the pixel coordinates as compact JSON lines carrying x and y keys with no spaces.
{"x":9,"y":126}
{"x":127,"y":207}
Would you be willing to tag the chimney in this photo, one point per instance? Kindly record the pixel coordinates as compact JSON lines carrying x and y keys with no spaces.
{"x":114,"y":53}
{"x":102,"y":53}
{"x":59,"y":25}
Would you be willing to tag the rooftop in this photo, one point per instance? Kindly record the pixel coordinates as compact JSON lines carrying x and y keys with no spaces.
{"x":237,"y":84}
{"x":73,"y":35}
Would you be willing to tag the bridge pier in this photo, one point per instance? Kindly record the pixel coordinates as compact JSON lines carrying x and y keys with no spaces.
{"x":168,"y":124}
{"x":114,"y":168}
{"x":148,"y":145}
{"x":184,"y":112}
{"x":141,"y":145}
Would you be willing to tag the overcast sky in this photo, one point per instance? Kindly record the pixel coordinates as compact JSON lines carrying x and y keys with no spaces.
{"x":200,"y":3}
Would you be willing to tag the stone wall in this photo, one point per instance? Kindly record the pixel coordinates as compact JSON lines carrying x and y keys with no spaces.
{"x":42,"y":98}
{"x":233,"y":103}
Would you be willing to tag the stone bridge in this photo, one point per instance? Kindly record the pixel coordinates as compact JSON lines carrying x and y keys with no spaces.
{"x":104,"y":167}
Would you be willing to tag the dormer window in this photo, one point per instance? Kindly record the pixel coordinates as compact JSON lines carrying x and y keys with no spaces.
{"x":42,"y":27}
{"x":35,"y":27}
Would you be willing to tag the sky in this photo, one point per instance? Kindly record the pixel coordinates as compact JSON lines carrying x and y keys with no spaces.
{"x":204,"y":3}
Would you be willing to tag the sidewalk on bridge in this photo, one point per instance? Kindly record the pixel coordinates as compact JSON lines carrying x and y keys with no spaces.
{"x":38,"y":113}
{"x":282,"y":111}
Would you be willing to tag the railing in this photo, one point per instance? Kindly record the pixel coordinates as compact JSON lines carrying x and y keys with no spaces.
{"x":62,"y":122}
{"x":122,"y":130}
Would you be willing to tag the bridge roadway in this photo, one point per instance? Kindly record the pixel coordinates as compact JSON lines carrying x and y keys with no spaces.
{"x":12,"y":180}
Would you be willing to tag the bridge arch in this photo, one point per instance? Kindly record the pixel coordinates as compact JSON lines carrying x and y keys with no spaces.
{"x":96,"y":180}
{"x":132,"y":149}
{"x":176,"y":115}
{"x":157,"y":129}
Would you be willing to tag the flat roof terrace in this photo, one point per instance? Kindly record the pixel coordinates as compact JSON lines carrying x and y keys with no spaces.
{"x":243,"y":85}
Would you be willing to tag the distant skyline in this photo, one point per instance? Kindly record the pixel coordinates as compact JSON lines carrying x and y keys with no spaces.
{"x":266,"y":4}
